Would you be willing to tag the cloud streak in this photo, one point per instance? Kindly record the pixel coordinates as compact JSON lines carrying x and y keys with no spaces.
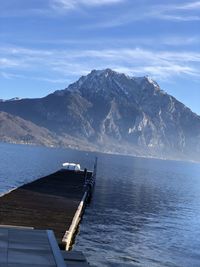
{"x":132,"y":11}
{"x":185,"y":12}
{"x":64,"y":64}
{"x":167,"y":40}
{"x":72,"y":4}
{"x":50,"y":8}
{"x":187,"y":6}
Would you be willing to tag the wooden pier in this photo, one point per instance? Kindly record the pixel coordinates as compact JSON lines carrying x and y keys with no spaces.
{"x":54,"y":202}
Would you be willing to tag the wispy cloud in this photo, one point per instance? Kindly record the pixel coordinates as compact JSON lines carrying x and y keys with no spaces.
{"x":8,"y":62}
{"x":72,"y":4}
{"x":185,"y":12}
{"x":64,"y":65}
{"x":179,"y":17}
{"x":167,"y":40}
{"x":132,"y":11}
{"x":177,"y":40}
{"x":187,"y":6}
{"x":10,"y":76}
{"x":49,"y":7}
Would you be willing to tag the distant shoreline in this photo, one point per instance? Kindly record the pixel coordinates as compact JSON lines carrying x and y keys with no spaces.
{"x":92,"y":150}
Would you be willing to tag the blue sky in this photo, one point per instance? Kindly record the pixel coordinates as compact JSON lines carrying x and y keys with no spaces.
{"x":47,"y":44}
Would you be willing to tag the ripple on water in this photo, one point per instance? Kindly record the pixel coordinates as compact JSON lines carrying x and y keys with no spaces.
{"x":144,"y":213}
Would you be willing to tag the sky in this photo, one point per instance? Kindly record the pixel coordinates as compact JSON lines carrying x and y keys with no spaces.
{"x":47,"y":44}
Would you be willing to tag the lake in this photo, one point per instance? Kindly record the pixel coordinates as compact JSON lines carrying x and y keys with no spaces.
{"x":144,"y":212}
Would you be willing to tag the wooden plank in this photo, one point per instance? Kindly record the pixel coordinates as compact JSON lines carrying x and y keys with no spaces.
{"x":47,"y":203}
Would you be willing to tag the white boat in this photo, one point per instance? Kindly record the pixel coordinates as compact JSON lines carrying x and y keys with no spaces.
{"x":71,"y":166}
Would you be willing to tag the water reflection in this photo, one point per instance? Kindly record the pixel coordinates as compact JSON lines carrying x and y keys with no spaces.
{"x":144,"y":213}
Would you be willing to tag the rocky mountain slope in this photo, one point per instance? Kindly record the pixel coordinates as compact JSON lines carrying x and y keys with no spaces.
{"x":113,"y":112}
{"x":17,"y":130}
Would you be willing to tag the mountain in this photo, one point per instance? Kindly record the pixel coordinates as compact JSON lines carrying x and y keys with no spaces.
{"x":113,"y":112}
{"x":16,"y":130}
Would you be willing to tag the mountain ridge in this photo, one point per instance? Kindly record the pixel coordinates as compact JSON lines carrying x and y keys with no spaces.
{"x":17,"y":130}
{"x":114,"y":112}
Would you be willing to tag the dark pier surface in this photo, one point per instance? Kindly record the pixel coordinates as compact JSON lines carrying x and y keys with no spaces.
{"x":47,"y":203}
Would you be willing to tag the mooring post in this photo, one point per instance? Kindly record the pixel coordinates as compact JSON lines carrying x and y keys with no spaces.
{"x":95,"y":168}
{"x":85,"y":175}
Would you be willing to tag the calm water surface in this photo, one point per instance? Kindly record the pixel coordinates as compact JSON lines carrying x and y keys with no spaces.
{"x":144,"y":212}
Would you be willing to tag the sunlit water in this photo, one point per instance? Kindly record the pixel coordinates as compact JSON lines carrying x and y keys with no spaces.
{"x":144,"y":212}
